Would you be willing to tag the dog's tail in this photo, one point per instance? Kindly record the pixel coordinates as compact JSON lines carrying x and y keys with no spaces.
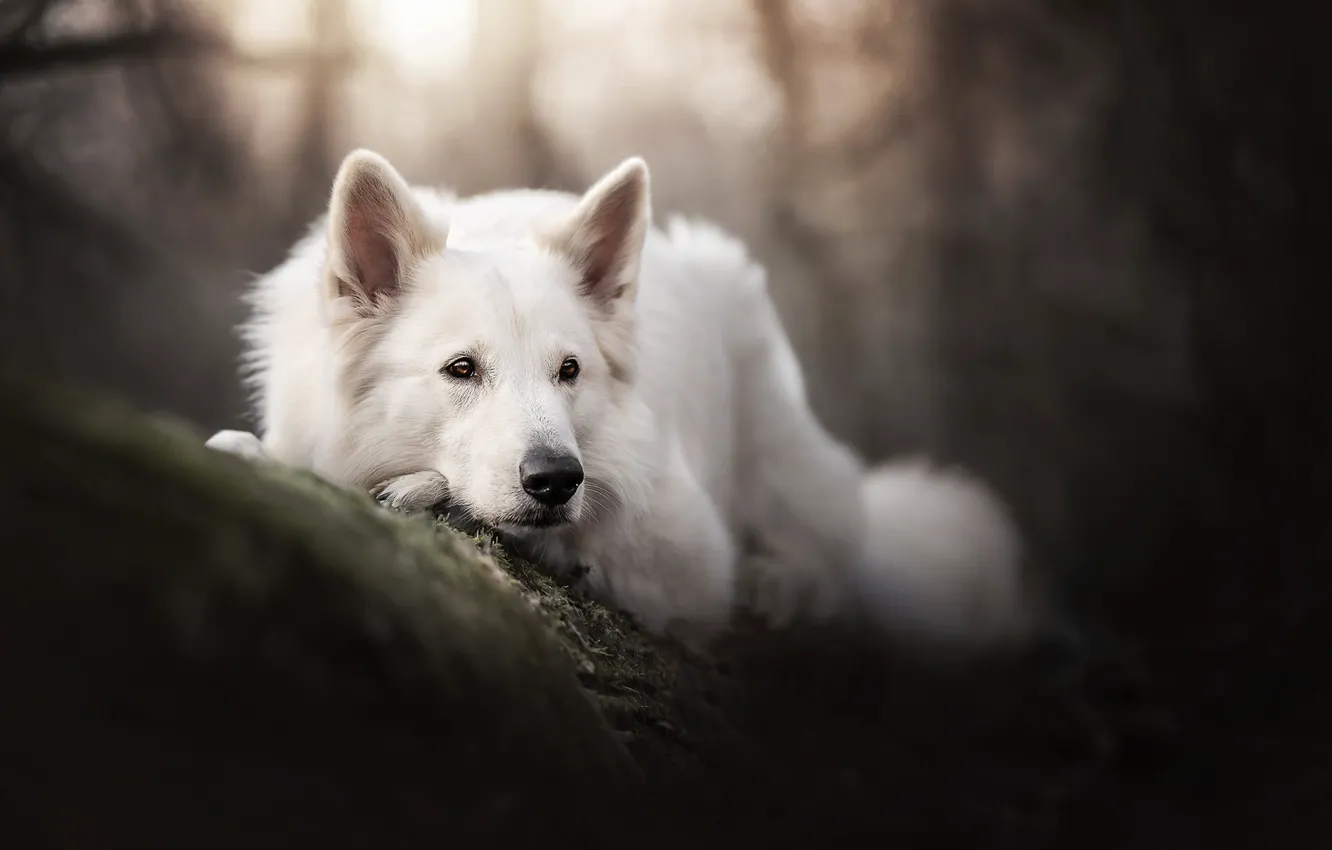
{"x":942,"y":560}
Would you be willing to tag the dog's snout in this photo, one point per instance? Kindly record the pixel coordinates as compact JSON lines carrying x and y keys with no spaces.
{"x":551,"y":479}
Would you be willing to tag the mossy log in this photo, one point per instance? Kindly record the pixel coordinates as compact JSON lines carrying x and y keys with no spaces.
{"x":209,"y":650}
{"x":168,"y":608}
{"x":201,"y":652}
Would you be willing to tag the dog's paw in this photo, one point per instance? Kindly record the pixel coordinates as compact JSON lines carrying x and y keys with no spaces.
{"x":412,"y":493}
{"x":240,"y":443}
{"x":780,"y":596}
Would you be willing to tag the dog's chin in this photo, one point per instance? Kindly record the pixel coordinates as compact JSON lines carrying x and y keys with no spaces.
{"x":536,"y":519}
{"x":527,"y":520}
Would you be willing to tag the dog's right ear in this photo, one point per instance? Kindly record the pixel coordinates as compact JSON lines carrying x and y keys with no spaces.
{"x":377,"y":230}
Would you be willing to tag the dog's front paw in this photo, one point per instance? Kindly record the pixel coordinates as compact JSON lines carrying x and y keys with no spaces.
{"x":240,"y":443}
{"x":417,"y":491}
{"x":780,"y":596}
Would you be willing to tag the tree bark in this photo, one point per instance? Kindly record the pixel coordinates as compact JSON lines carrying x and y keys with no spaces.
{"x":193,"y":647}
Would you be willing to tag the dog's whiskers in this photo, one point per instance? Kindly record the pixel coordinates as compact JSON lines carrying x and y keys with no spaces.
{"x":601,"y":497}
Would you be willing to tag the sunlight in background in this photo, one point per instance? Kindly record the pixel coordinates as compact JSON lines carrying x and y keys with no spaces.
{"x":435,"y":38}
{"x":421,"y":37}
{"x":265,"y":25}
{"x":425,"y":38}
{"x":604,"y":14}
{"x":691,"y":60}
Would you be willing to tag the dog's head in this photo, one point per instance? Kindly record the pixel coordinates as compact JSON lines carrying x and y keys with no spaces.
{"x":496,"y":365}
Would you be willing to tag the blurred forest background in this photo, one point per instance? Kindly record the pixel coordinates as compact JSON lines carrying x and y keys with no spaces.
{"x":1060,"y":243}
{"x":1074,"y":246}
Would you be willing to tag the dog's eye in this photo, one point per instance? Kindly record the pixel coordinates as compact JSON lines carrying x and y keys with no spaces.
{"x":462,"y":368}
{"x":569,"y":370}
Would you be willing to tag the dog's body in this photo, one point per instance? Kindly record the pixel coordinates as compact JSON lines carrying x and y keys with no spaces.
{"x":605,"y":393}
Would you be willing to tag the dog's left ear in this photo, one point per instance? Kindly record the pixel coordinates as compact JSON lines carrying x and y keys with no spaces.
{"x":604,"y":236}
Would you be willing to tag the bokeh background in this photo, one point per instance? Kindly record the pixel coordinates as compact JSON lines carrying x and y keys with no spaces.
{"x":1059,"y":245}
{"x":1077,"y":247}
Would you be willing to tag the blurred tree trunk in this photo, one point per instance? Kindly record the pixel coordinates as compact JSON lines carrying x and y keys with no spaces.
{"x":317,"y":155}
{"x":505,"y":60}
{"x":844,"y":220}
{"x":1133,"y":354}
{"x":797,"y":242}
{"x":110,"y":118}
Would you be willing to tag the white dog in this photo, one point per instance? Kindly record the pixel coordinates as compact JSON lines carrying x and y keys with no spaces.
{"x":608,"y":394}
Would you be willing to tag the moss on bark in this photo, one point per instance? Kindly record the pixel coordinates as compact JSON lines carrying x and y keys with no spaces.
{"x":210,"y":650}
{"x":164,"y":605}
{"x":196,"y":651}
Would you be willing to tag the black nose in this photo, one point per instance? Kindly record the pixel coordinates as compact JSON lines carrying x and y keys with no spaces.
{"x":551,"y":480}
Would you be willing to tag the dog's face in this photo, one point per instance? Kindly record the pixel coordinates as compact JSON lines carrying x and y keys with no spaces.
{"x":491,"y":367}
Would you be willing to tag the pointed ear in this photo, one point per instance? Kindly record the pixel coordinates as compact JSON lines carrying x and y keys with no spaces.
{"x":603,"y":239}
{"x":376,"y":230}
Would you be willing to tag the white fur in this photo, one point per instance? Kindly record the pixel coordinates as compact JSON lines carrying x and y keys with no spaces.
{"x":946,"y":555}
{"x":709,"y":483}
